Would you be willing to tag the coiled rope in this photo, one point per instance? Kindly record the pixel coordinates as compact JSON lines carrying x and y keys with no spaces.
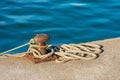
{"x":65,"y":52}
{"x":78,"y":52}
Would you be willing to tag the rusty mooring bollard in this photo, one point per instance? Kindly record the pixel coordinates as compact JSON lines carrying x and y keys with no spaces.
{"x":40,"y":40}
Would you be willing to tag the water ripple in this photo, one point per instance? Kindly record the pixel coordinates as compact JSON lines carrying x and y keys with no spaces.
{"x":69,"y":21}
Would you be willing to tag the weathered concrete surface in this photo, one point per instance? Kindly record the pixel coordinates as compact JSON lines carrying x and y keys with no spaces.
{"x":106,"y":67}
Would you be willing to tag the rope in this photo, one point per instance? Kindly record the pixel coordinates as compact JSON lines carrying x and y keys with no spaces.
{"x":31,"y":42}
{"x":14,"y":49}
{"x":65,"y":52}
{"x":69,"y":52}
{"x":77,"y":52}
{"x":10,"y":50}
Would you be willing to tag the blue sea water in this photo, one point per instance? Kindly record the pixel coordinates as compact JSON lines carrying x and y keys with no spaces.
{"x":66,"y":21}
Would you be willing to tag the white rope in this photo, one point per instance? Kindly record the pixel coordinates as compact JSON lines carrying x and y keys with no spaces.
{"x":14,"y":48}
{"x":23,"y":45}
{"x":38,"y":55}
{"x":67,"y":52}
{"x":77,"y":52}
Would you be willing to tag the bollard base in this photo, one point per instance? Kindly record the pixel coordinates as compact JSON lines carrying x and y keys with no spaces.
{"x":31,"y":57}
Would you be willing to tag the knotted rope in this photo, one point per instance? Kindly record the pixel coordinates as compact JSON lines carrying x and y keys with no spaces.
{"x":65,"y":52}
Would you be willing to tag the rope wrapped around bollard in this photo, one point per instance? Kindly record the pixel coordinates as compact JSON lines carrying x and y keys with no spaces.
{"x":40,"y":52}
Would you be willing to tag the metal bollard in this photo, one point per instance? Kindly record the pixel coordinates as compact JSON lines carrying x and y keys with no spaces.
{"x":40,"y":40}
